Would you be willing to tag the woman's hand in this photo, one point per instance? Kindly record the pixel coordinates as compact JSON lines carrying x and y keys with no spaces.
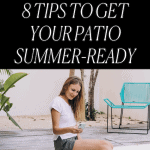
{"x":74,"y":129}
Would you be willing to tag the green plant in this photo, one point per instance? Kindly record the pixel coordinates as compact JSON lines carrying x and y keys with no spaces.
{"x":101,"y":112}
{"x":129,"y":117}
{"x":92,"y":114}
{"x":5,"y":105}
{"x":7,"y":71}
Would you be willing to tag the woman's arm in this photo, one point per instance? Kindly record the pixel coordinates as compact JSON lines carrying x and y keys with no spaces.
{"x":55,"y":122}
{"x":78,"y":135}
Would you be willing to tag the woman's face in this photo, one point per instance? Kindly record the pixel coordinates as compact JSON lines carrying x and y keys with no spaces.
{"x":72,"y":91}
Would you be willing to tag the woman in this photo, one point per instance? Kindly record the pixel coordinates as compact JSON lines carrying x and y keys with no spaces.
{"x":66,"y":110}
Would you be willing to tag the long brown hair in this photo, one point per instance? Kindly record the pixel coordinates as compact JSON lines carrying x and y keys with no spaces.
{"x":77,"y":104}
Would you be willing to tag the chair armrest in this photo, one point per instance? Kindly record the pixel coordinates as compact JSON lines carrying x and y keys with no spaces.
{"x":147,"y":104}
{"x":111,"y":104}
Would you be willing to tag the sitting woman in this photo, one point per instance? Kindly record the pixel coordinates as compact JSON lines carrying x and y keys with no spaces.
{"x":66,"y":111}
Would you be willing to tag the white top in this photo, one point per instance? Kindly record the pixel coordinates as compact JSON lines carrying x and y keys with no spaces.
{"x":66,"y":116}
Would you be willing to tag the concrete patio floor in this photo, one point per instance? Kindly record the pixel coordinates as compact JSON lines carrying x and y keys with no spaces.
{"x":42,"y":139}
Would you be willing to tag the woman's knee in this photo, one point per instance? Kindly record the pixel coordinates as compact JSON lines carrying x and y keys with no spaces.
{"x":106,"y":143}
{"x":106,"y":147}
{"x":109,"y":144}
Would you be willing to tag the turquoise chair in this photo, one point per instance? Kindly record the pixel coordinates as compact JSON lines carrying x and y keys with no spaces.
{"x":133,"y":93}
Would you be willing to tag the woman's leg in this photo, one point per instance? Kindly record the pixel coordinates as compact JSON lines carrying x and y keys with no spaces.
{"x":92,"y":144}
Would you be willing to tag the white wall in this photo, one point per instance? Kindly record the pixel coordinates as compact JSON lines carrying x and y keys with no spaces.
{"x":33,"y":93}
{"x":111,"y":82}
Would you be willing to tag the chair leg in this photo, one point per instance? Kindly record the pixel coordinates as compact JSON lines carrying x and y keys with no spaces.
{"x":121,"y":122}
{"x":107,"y":117}
{"x":147,"y":122}
{"x":121,"y":116}
{"x":112,"y":121}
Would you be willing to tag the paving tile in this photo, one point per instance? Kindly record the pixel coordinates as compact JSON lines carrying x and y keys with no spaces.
{"x":39,"y":139}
